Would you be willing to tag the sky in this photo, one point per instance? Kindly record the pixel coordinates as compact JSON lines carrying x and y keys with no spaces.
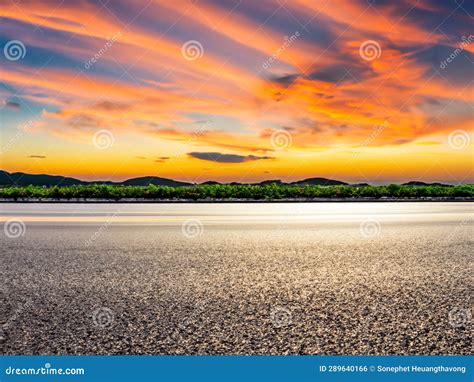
{"x":369,"y":91}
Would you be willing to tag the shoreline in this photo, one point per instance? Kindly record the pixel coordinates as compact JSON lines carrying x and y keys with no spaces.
{"x":217,"y":201}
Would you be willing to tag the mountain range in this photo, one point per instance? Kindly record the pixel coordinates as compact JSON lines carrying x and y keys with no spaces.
{"x":23,"y":179}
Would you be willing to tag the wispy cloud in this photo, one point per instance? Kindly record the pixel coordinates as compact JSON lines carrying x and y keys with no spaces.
{"x":161,"y":159}
{"x":13,"y":105}
{"x":226,"y":158}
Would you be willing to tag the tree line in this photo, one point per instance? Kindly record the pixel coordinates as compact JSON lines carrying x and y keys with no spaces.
{"x":226,"y":191}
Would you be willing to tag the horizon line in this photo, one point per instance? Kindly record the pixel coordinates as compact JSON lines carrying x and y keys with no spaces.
{"x":449,"y":183}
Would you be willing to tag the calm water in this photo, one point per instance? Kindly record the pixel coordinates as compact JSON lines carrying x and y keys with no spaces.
{"x":298,"y":278}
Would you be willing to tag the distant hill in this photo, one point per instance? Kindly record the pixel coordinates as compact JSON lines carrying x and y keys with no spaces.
{"x":22,"y":179}
{"x":157,"y":181}
{"x":319,"y":182}
{"x":310,"y":181}
{"x":421,"y":184}
{"x":266,"y":182}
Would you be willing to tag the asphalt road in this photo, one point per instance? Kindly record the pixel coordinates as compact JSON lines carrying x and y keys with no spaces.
{"x":373,"y":281}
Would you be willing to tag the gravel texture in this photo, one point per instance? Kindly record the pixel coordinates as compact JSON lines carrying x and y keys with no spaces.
{"x":293,"y":286}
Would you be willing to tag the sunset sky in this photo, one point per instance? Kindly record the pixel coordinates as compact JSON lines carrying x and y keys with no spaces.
{"x":238,"y":90}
